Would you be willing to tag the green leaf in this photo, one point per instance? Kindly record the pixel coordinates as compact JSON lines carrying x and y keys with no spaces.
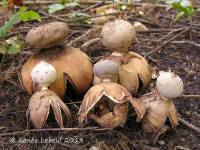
{"x":9,"y":24}
{"x":85,"y":19}
{"x":190,"y":11}
{"x":28,"y":15}
{"x":5,"y":3}
{"x":72,"y":4}
{"x":11,"y":46}
{"x":13,"y":50}
{"x":2,"y":49}
{"x":75,"y":16}
{"x":21,"y":15}
{"x":63,"y":2}
{"x":183,"y":10}
{"x":55,"y":7}
{"x":179,"y":15}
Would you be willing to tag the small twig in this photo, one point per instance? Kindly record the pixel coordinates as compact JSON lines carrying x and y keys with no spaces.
{"x":93,"y":6}
{"x":181,"y":148}
{"x":170,"y":33}
{"x":80,"y":25}
{"x":56,"y":129}
{"x":190,"y":96}
{"x":158,"y":30}
{"x":194,"y":128}
{"x":80,"y":37}
{"x":87,"y":2}
{"x":152,"y":59}
{"x":16,"y":33}
{"x":147,"y":22}
{"x":83,"y":35}
{"x":187,"y":42}
{"x":90,"y":42}
{"x":71,"y":103}
{"x":167,"y":42}
{"x":89,"y":17}
{"x":52,"y":16}
{"x":74,"y":104}
{"x":10,"y":113}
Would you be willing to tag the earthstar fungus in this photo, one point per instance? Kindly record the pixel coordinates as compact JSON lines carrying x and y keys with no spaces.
{"x":109,"y":98}
{"x":66,"y":60}
{"x":44,"y":74}
{"x":134,"y":71}
{"x":47,"y":73}
{"x":159,"y":106}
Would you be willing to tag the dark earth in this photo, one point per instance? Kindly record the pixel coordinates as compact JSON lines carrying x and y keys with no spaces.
{"x":178,"y":56}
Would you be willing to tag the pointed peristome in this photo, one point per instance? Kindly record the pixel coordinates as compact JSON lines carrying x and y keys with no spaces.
{"x":43,"y":74}
{"x":106,"y":70}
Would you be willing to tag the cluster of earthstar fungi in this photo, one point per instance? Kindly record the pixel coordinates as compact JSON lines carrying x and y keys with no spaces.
{"x":116,"y":78}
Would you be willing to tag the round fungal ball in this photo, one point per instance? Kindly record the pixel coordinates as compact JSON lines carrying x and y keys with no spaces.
{"x":169,"y":85}
{"x":118,"y":35}
{"x":47,"y":35}
{"x":43,"y":74}
{"x":106,"y":69}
